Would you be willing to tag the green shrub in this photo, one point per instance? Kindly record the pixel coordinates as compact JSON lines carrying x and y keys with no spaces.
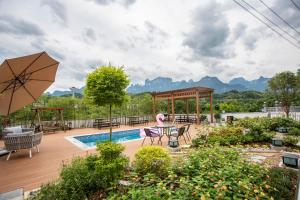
{"x":256,"y":129}
{"x":84,"y":176}
{"x":50,"y":191}
{"x":208,"y":173}
{"x":284,"y":180}
{"x":199,"y":141}
{"x":294,"y":131}
{"x":226,"y":136}
{"x":290,"y":140}
{"x":152,"y":159}
{"x":75,"y":179}
{"x":111,"y":165}
{"x":268,"y":124}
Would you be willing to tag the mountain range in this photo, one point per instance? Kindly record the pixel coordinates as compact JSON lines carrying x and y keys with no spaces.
{"x":165,"y":83}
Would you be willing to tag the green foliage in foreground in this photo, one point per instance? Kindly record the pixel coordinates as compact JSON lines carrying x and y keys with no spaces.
{"x":226,"y":136}
{"x":284,"y":180}
{"x":84,"y":176}
{"x":268,"y":124}
{"x":152,"y":159}
{"x":208,"y":173}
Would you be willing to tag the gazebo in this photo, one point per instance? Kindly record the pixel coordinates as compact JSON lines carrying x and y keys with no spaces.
{"x":184,"y":94}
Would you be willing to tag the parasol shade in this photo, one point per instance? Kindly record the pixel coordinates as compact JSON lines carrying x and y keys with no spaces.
{"x":24,"y":79}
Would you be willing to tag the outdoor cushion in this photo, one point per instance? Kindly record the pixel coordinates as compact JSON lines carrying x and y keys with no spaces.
{"x":20,"y":134}
{"x":16,"y":129}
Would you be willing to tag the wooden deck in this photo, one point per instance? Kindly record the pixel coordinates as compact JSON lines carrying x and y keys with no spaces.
{"x":22,"y":172}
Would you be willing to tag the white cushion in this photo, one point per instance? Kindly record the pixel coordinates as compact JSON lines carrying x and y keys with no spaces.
{"x":16,"y":129}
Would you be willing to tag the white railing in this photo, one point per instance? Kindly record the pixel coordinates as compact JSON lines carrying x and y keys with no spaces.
{"x":280,"y":109}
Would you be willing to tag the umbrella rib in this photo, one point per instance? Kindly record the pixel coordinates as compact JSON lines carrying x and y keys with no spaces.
{"x":11,"y":69}
{"x":33,"y":79}
{"x":32,"y":62}
{"x":42,"y":68}
{"x":7,"y":87}
{"x":29,"y":93}
{"x":12,"y":95}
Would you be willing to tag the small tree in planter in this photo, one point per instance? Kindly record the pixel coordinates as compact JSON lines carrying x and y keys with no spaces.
{"x":107,"y":86}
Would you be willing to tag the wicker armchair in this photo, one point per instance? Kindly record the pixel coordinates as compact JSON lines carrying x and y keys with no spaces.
{"x":29,"y":140}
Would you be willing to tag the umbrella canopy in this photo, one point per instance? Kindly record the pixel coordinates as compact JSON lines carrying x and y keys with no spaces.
{"x":24,"y":79}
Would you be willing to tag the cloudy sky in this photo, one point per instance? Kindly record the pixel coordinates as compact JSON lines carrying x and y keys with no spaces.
{"x":181,"y":39}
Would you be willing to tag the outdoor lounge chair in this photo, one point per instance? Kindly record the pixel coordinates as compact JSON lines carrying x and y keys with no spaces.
{"x":152,"y":134}
{"x":24,"y":140}
{"x":179,"y":133}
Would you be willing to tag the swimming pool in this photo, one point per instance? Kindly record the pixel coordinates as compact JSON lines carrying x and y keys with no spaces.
{"x":89,"y":141}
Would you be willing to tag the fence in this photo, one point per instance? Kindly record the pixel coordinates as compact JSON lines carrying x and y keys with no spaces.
{"x":280,"y":109}
{"x":82,"y":123}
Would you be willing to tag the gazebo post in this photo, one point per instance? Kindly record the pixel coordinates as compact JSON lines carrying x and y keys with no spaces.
{"x":197,"y":107}
{"x":169,"y":102}
{"x":187,"y":107}
{"x":153,"y":106}
{"x":173,"y":108}
{"x":211,"y":108}
{"x":39,"y":117}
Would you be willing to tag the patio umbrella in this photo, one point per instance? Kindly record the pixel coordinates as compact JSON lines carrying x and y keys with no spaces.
{"x":24,"y":79}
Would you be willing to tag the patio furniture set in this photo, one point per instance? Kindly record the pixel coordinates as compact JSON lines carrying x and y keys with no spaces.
{"x":170,"y":130}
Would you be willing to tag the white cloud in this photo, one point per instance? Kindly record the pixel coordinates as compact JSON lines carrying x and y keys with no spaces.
{"x":175,"y":38}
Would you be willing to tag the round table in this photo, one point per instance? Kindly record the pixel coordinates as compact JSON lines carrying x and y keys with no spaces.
{"x":165,"y":129}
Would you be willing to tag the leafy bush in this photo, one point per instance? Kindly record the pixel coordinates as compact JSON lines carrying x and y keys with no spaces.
{"x":294,"y":131}
{"x":50,"y":191}
{"x":209,"y":173}
{"x":84,"y":176}
{"x":256,"y":129}
{"x":290,"y":140}
{"x":284,"y":180}
{"x":110,"y":166}
{"x":199,"y":141}
{"x":226,"y":136}
{"x":75,"y":179}
{"x":152,"y":159}
{"x":268,"y":124}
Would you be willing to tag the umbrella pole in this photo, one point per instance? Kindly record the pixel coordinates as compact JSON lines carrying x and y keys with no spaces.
{"x":39,"y":119}
{"x":5,"y":121}
{"x":62,"y":120}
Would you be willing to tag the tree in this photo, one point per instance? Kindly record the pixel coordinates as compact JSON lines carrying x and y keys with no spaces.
{"x":285,"y":88}
{"x":107,"y":86}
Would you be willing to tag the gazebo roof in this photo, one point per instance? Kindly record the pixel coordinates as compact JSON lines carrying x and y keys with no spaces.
{"x":183,"y":93}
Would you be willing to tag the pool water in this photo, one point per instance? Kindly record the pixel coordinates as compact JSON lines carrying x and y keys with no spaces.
{"x":118,"y":136}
